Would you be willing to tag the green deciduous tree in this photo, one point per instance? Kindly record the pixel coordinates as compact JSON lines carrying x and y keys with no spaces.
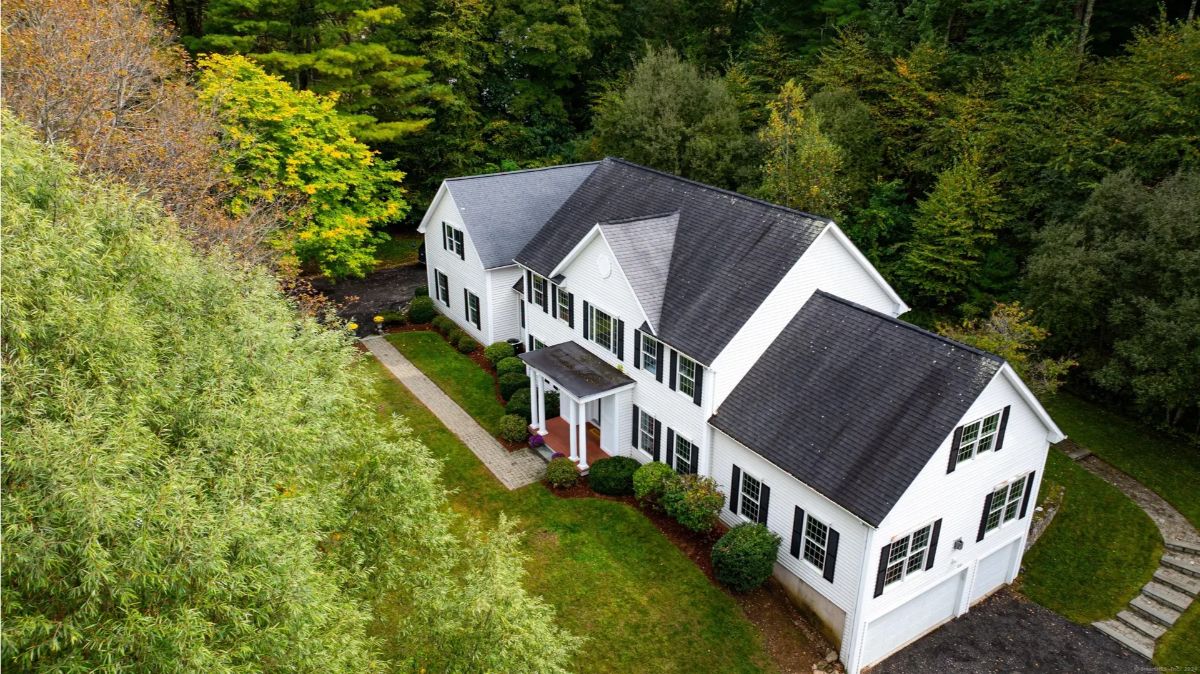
{"x":192,"y":480}
{"x":280,"y":143}
{"x":1119,"y":284}
{"x":671,"y":116}
{"x":802,"y":164}
{"x":952,"y":229}
{"x":1009,"y":332}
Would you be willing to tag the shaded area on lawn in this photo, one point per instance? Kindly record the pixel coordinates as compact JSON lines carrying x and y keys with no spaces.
{"x":612,"y":576}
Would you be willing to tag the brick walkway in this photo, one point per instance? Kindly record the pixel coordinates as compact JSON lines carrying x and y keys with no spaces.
{"x":513,"y":469}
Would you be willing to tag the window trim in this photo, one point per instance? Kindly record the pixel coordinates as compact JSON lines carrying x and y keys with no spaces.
{"x":613,"y":339}
{"x":540,"y":286}
{"x":440,"y":278}
{"x":807,"y":539}
{"x":473,"y":313}
{"x":453,"y":239}
{"x":743,"y":494}
{"x":651,"y":355}
{"x":969,"y":449}
{"x":675,"y":454}
{"x":1014,"y":493}
{"x":679,"y":378}
{"x":905,"y":563}
{"x":562,"y":300}
{"x":537,"y":343}
{"x":643,"y":418}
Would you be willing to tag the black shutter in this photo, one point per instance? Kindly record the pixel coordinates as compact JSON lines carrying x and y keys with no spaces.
{"x":1003,"y":426}
{"x":933,"y":541}
{"x":735,"y":487}
{"x":571,"y":310}
{"x":695,"y":459}
{"x":522,"y":314}
{"x":831,"y":548}
{"x":987,"y":505}
{"x":636,"y":426}
{"x":466,"y":306}
{"x":954,"y":449}
{"x":587,"y":320}
{"x":637,"y":349}
{"x":445,"y":245}
{"x":883,"y":560}
{"x":657,"y":437}
{"x":671,"y":447}
{"x":458,"y":243}
{"x":699,"y":392}
{"x":531,"y":342}
{"x":674,"y":364}
{"x":659,"y":363}
{"x":764,"y":503}
{"x":620,"y":339}
{"x":529,"y":285}
{"x":554,"y":301}
{"x":797,"y":532}
{"x":1025,"y":498}
{"x":545,"y":296}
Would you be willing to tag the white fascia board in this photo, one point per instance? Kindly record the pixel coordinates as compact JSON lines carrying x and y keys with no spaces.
{"x":433,"y":206}
{"x":857,"y":256}
{"x":1053,"y":432}
{"x":587,"y":238}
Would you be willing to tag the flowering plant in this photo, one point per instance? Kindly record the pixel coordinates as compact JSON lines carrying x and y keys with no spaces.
{"x":352,"y":326}
{"x":378,"y":319}
{"x":536,"y":440}
{"x":558,"y":455}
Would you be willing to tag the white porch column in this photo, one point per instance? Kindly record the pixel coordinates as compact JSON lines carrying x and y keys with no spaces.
{"x":581,"y":415}
{"x":573,"y":418}
{"x":539,"y":402}
{"x":534,"y":396}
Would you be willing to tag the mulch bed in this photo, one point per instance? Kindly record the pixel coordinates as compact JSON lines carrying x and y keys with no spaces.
{"x":792,"y":642}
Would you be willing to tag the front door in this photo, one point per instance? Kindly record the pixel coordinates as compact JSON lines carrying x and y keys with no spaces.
{"x":593,"y":412}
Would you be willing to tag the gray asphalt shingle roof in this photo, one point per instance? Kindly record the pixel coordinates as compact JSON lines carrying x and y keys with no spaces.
{"x":576,"y":369}
{"x":643,"y":249}
{"x":730,"y":250}
{"x":503,"y":211}
{"x":853,"y":402}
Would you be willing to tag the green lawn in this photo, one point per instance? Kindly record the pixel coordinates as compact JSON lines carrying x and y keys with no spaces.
{"x":459,"y":376}
{"x":641,"y":604}
{"x":1098,"y":552}
{"x":1168,"y":466}
{"x":399,"y":249}
{"x":1179,"y":649}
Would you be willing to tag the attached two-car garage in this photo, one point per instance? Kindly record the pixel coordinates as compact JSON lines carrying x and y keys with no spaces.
{"x":905,"y":623}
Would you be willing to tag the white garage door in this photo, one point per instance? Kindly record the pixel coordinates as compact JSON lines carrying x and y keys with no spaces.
{"x":993,"y":571}
{"x":903,"y":624}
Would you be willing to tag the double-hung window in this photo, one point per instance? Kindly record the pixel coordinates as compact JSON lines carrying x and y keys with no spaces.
{"x":650,"y":355}
{"x":816,"y":541}
{"x":473,"y":308}
{"x":979,"y":436}
{"x":443,"y":287}
{"x":452,"y":240}
{"x":539,"y":291}
{"x":646,"y":432}
{"x":907,"y":555}
{"x":537,"y":343}
{"x":751,"y":497}
{"x":1005,"y":505}
{"x":563,"y":299}
{"x":688,"y":372}
{"x":604,"y":330}
{"x":684,"y":451}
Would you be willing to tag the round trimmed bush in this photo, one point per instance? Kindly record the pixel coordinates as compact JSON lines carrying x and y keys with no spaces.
{"x":511,"y":383}
{"x":613,"y":476}
{"x":421,"y":310}
{"x":510,"y":365}
{"x":454,"y":334}
{"x":651,"y":480}
{"x":513,"y":428}
{"x":519,"y":404}
{"x":442,"y":324}
{"x":744,"y":558}
{"x":694,"y":502}
{"x":562,"y":472}
{"x":421,"y":291}
{"x":499,"y":351}
{"x":466,"y":344}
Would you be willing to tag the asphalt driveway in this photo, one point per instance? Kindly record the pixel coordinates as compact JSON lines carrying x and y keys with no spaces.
{"x":1007,"y":634}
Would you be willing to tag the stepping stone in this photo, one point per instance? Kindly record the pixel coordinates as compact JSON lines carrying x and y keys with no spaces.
{"x":1128,"y":637}
{"x":1167,"y":595}
{"x":1182,"y":563}
{"x":1152,"y":609}
{"x":1137,"y":622}
{"x":1189,"y":585}
{"x":1186,"y":547}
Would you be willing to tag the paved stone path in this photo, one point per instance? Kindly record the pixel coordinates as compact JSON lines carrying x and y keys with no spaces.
{"x":513,"y":469}
{"x":1176,"y":581}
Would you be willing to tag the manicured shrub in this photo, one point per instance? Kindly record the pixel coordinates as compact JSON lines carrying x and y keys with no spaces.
{"x":694,"y":502}
{"x":466,"y":344}
{"x":393,"y":318}
{"x":421,"y":310}
{"x":513,"y":428}
{"x":744,"y":558}
{"x":442,"y":324}
{"x":519,"y":404}
{"x":651,"y":480}
{"x":613,"y":476}
{"x":498,"y":352}
{"x":510,"y":365}
{"x":454,"y":334}
{"x":562,"y":472}
{"x":421,"y":291}
{"x":551,"y":404}
{"x":511,"y":383}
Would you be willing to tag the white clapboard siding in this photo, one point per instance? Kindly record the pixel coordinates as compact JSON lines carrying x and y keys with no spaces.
{"x":465,"y":273}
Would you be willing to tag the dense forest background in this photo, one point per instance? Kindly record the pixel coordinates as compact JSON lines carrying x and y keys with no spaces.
{"x":1039,"y":153}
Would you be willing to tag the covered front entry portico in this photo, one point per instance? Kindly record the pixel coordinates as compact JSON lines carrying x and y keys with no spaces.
{"x":589,"y":390}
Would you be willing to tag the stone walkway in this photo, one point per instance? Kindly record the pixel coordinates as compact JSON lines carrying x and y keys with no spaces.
{"x":513,"y":469}
{"x":1176,"y":581}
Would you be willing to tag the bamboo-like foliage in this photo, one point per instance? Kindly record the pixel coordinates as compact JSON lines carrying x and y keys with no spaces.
{"x":192,"y":481}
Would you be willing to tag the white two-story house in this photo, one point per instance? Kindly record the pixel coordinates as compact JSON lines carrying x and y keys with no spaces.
{"x":754,"y":344}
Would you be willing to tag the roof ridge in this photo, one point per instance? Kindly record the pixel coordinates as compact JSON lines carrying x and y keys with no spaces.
{"x":722,"y":190}
{"x":905,"y":324}
{"x":638,"y":218}
{"x":526,"y":170}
